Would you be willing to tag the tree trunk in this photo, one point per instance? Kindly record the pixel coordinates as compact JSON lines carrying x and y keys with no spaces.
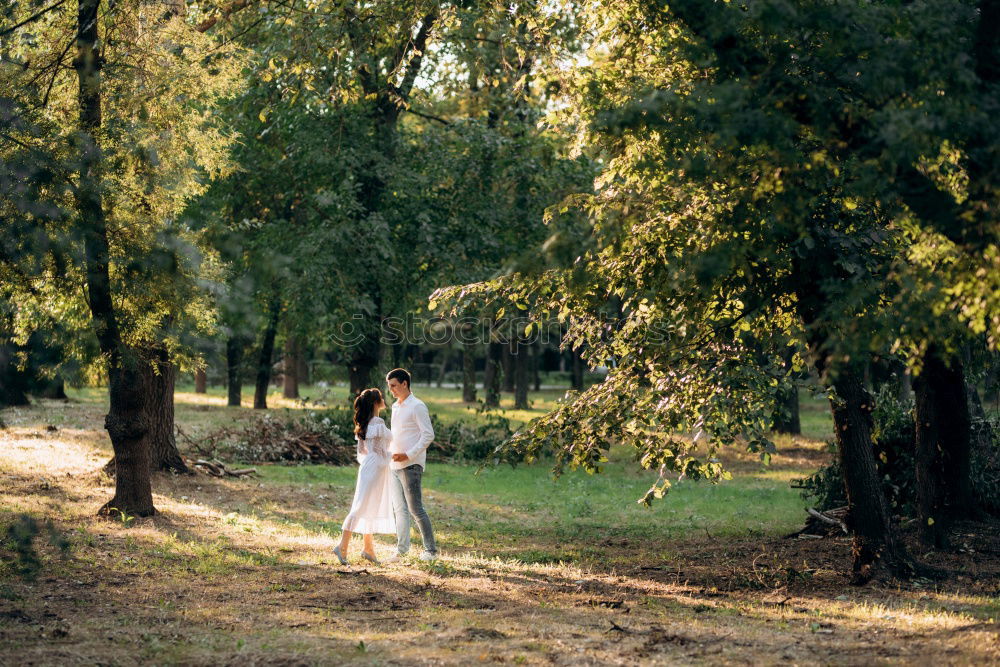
{"x":536,"y":362}
{"x":362,"y":366}
{"x":443,"y":371}
{"x":303,"y":364}
{"x":291,"y":367}
{"x":200,"y":381}
{"x":508,"y":364}
{"x":786,"y":414}
{"x":944,"y":488}
{"x":264,"y":360}
{"x":234,"y":371}
{"x":12,"y":381}
{"x":521,"y":378}
{"x":876,"y":542}
{"x":130,"y":391}
{"x":54,"y":388}
{"x":468,"y":372}
{"x":576,"y":375}
{"x":128,"y":374}
{"x":160,"y":407}
{"x":493,"y":375}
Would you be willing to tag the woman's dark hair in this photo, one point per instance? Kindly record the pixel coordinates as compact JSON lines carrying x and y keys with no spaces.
{"x":400,"y":374}
{"x":364,"y":410}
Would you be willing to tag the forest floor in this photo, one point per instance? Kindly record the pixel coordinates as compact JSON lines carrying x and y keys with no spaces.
{"x":532,"y":572}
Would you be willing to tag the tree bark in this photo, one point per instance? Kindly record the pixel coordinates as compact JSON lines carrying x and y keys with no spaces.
{"x":443,"y":371}
{"x":493,"y":375}
{"x":943,"y":449}
{"x":12,"y":381}
{"x":234,"y":371}
{"x":54,"y":388}
{"x":303,"y":364}
{"x":264,"y":360}
{"x":468,"y":372}
{"x":536,"y":362}
{"x":200,"y":381}
{"x":362,"y":366}
{"x":876,"y":542}
{"x":521,"y":376}
{"x":291,"y":367}
{"x":508,"y":365}
{"x":163,"y":442}
{"x":128,"y":373}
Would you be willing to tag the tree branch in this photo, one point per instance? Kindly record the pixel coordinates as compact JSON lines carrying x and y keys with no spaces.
{"x":419,"y":44}
{"x":443,"y":121}
{"x":32,"y":18}
{"x":363,"y":70}
{"x":227,"y":11}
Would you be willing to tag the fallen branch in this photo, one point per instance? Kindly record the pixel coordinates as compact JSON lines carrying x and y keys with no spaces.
{"x":828,"y":520}
{"x":217,"y":469}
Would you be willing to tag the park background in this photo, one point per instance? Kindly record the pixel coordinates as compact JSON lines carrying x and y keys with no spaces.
{"x":668,"y":277}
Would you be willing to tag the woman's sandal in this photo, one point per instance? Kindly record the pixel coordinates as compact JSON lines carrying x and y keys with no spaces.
{"x":336,"y":552}
{"x":367,"y":556}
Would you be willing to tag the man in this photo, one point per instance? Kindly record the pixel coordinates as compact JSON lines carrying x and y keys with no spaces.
{"x":411,"y":435}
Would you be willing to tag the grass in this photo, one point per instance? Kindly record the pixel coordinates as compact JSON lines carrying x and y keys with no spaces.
{"x":534,"y":571}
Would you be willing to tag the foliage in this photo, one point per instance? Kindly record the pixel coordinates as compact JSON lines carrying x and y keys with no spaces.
{"x":162,"y":143}
{"x":479,"y":440}
{"x":758,"y":192}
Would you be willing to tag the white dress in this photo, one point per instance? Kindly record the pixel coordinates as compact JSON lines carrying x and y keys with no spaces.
{"x":371,"y":511}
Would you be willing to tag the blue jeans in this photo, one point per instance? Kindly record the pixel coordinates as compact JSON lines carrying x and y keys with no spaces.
{"x":407,"y":501}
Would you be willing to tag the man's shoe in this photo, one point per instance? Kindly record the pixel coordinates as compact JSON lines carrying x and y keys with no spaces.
{"x":395,"y":558}
{"x":428,"y":556}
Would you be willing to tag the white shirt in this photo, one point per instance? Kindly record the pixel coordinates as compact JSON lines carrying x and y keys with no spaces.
{"x":412,"y":432}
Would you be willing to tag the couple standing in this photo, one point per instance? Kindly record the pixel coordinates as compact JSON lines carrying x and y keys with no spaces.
{"x":388,"y":491}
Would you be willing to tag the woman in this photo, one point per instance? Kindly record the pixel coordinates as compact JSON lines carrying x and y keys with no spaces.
{"x":371,"y":511}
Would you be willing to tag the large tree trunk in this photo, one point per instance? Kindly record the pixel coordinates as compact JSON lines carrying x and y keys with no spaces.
{"x":264,"y":360}
{"x":944,"y":488}
{"x":291,"y":367}
{"x":468,"y":371}
{"x":876,"y":542}
{"x":160,"y":407}
{"x":200,"y":381}
{"x":12,"y":381}
{"x":521,"y":378}
{"x":127,"y":422}
{"x":128,"y":374}
{"x":494,"y":372}
{"x":234,"y":371}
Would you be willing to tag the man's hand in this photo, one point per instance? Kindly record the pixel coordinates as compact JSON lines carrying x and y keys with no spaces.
{"x":399,"y":458}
